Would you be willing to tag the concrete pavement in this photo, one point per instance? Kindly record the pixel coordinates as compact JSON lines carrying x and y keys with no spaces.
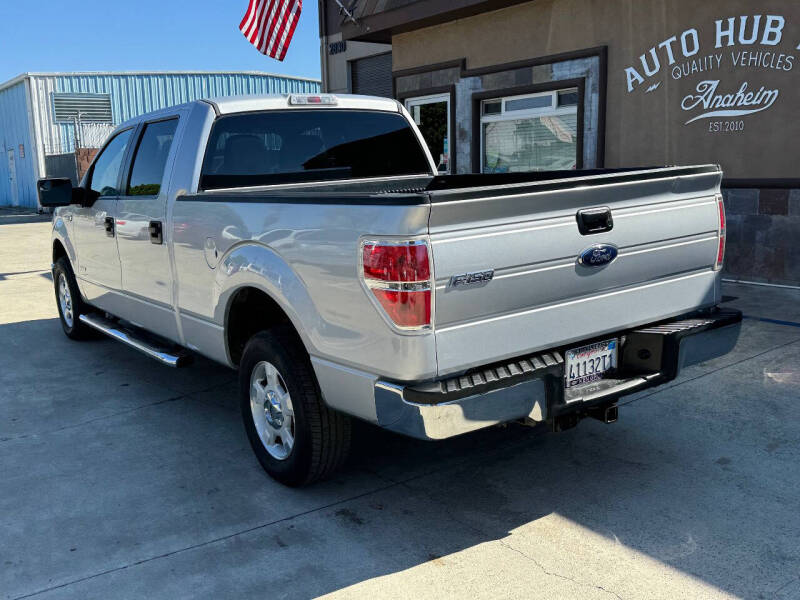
{"x":120,"y":478}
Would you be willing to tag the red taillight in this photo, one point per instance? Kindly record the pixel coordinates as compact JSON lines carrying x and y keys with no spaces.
{"x":406,"y":309}
{"x":721,"y":246}
{"x":399,"y":276}
{"x":396,"y":262}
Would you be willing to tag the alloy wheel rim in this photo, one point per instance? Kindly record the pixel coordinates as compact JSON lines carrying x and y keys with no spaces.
{"x":65,"y":300}
{"x":272,"y":410}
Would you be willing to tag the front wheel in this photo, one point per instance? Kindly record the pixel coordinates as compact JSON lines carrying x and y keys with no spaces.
{"x":69,"y":302}
{"x":295,"y":436}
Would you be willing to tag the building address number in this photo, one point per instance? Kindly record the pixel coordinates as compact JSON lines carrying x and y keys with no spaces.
{"x":337,"y":47}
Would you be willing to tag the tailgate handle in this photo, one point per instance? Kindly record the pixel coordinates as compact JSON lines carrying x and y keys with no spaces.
{"x":594,"y":220}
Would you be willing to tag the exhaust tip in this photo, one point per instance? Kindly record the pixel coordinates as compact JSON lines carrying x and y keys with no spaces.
{"x":565,"y":422}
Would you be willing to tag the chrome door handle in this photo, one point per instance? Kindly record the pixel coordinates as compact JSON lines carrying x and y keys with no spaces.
{"x":156,"y":233}
{"x":110,"y":226}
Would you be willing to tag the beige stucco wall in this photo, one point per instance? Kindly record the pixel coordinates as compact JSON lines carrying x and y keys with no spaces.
{"x":649,"y":128}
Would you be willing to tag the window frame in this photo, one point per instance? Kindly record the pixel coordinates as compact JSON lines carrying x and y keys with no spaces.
{"x":584,"y":101}
{"x":434,"y":98}
{"x":141,"y":127}
{"x":86,"y":183}
{"x":532,"y":113}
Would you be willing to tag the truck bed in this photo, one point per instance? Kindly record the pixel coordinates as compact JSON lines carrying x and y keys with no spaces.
{"x":522,"y":227}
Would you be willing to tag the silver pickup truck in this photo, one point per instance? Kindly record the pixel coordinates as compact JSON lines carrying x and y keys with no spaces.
{"x":307,"y":241}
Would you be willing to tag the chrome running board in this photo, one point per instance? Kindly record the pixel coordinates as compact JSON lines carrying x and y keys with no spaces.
{"x":137,"y":340}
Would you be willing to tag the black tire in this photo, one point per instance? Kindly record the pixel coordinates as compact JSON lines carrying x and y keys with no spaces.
{"x":70,"y":323}
{"x":321,"y":435}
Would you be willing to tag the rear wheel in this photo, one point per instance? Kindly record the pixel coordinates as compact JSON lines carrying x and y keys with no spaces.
{"x":295,"y":436}
{"x":69,"y":302}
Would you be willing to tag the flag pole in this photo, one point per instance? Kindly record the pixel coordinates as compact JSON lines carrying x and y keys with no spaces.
{"x":347,"y":13}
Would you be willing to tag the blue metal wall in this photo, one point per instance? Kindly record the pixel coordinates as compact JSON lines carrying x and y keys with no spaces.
{"x":131,"y":94}
{"x":134,"y":94}
{"x":15,"y":130}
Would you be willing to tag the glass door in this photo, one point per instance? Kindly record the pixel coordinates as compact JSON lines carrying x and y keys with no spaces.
{"x":432,"y":116}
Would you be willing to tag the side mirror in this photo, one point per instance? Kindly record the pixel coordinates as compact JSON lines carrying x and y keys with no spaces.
{"x":55,"y":192}
{"x":58,"y":191}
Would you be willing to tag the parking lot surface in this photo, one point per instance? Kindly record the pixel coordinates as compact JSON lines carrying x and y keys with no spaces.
{"x":121,"y":478}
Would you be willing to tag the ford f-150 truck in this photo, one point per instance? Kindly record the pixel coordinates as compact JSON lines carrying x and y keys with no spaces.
{"x":308,"y":241}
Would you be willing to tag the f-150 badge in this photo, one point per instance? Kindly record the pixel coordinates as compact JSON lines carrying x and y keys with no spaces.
{"x":471,"y":278}
{"x":598,"y":255}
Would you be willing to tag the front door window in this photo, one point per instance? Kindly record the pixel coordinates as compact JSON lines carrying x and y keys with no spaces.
{"x":105,"y":173}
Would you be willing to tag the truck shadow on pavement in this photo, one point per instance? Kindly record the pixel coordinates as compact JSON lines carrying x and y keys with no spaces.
{"x":123,"y":475}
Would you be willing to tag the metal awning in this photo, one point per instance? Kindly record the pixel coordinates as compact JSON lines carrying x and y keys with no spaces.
{"x":379,"y":20}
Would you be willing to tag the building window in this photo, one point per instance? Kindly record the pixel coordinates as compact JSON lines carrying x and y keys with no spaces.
{"x":532,"y":132}
{"x":95,"y":108}
{"x":432,"y":116}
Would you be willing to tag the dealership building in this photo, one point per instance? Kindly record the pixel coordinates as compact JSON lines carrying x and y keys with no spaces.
{"x":504,"y":85}
{"x":51,"y":124}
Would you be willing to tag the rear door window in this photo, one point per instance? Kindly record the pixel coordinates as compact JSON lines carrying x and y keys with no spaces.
{"x":290,"y":146}
{"x":150,"y":159}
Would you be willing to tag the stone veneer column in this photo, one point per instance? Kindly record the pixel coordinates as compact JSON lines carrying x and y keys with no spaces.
{"x":763,"y":228}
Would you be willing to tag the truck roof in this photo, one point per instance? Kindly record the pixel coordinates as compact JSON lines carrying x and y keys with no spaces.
{"x":234,"y":104}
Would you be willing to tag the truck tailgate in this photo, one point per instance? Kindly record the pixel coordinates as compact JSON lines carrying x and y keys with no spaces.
{"x":665,"y":226}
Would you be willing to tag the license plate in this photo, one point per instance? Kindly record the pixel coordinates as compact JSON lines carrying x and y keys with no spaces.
{"x":589,"y":363}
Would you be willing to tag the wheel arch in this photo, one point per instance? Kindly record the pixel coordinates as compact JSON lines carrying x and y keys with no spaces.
{"x":58,"y":250}
{"x":250,"y":310}
{"x":258,"y":289}
{"x":61,"y":243}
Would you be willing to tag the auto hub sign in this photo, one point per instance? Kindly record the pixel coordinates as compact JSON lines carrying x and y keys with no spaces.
{"x":727,"y":82}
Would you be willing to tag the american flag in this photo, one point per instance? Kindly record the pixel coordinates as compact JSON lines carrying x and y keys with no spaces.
{"x":269,"y":25}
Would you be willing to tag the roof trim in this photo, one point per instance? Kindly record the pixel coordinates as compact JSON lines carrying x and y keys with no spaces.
{"x":31,"y":74}
{"x":263,"y":102}
{"x":381,"y":25}
{"x":14,"y":81}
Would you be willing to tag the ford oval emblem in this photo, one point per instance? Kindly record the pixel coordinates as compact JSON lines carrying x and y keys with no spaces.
{"x":598,"y":255}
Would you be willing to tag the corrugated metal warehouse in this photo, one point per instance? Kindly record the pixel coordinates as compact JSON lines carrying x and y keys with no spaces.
{"x":46,"y":117}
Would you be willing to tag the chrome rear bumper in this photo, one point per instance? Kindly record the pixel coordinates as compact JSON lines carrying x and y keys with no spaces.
{"x":532,"y":388}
